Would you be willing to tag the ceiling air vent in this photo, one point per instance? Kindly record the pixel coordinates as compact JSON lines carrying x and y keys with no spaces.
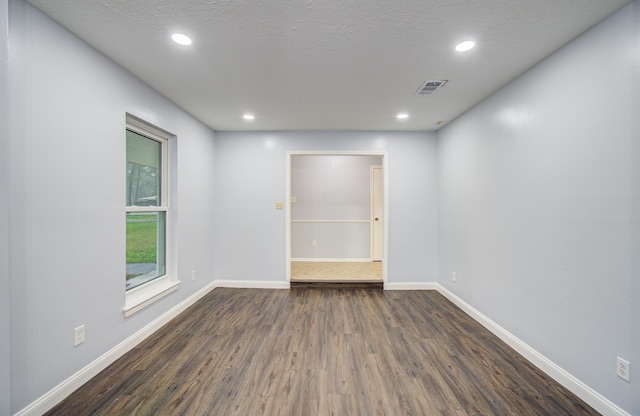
{"x":430,"y":88}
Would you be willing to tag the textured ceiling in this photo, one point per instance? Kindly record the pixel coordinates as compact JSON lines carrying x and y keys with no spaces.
{"x":326,"y":64}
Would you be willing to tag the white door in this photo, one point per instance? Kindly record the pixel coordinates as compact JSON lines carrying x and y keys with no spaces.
{"x":377,"y":213}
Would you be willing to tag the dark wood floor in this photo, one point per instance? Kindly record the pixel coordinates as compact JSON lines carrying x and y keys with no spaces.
{"x":322,"y":352}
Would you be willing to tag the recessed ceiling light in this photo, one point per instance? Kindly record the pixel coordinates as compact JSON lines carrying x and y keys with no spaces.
{"x":248,"y":116}
{"x":402,"y":116}
{"x":465,"y":46}
{"x":181,"y":39}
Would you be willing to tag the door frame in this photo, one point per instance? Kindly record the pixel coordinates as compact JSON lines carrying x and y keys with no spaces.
{"x":385,"y":173}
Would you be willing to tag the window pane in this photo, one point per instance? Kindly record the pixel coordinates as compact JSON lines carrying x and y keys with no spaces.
{"x":145,"y":247}
{"x":143,"y":170}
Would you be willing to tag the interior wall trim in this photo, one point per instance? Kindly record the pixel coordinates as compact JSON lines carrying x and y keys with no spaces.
{"x":253,"y":284}
{"x":54,"y":396}
{"x":385,"y":166}
{"x":334,"y":260}
{"x":410,"y":286}
{"x":566,"y":379}
{"x":331,"y":221}
{"x":62,"y":390}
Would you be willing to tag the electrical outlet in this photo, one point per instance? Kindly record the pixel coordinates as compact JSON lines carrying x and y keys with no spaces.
{"x":314,"y":243}
{"x":193,"y":276}
{"x":623,"y":368}
{"x":79,"y":336}
{"x":454,"y":276}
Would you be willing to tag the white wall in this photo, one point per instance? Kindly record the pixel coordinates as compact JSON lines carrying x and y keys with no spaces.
{"x":634,"y":242}
{"x":250,"y":178}
{"x":67,"y":236}
{"x":331,"y":187}
{"x":539,"y":212}
{"x":5,"y":294}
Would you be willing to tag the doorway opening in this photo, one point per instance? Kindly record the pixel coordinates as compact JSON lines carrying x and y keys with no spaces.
{"x":336,"y":210}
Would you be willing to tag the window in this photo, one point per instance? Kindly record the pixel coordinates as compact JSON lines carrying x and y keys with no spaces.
{"x":147,"y":215}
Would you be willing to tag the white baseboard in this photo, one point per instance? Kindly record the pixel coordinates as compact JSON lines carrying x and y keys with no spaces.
{"x":68,"y":386}
{"x":335,"y":260}
{"x":58,"y":393}
{"x":577,"y":387}
{"x":410,"y":286}
{"x":252,"y":284}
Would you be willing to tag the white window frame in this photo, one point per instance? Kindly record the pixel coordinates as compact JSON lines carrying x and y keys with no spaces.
{"x":144,"y":295}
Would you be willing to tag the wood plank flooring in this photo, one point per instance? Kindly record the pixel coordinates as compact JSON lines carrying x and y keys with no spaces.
{"x":322,"y":352}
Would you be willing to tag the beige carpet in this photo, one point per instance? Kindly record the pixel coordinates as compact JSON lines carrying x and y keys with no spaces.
{"x":336,"y":271}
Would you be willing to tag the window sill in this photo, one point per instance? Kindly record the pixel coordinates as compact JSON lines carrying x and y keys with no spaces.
{"x":143,"y":296}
